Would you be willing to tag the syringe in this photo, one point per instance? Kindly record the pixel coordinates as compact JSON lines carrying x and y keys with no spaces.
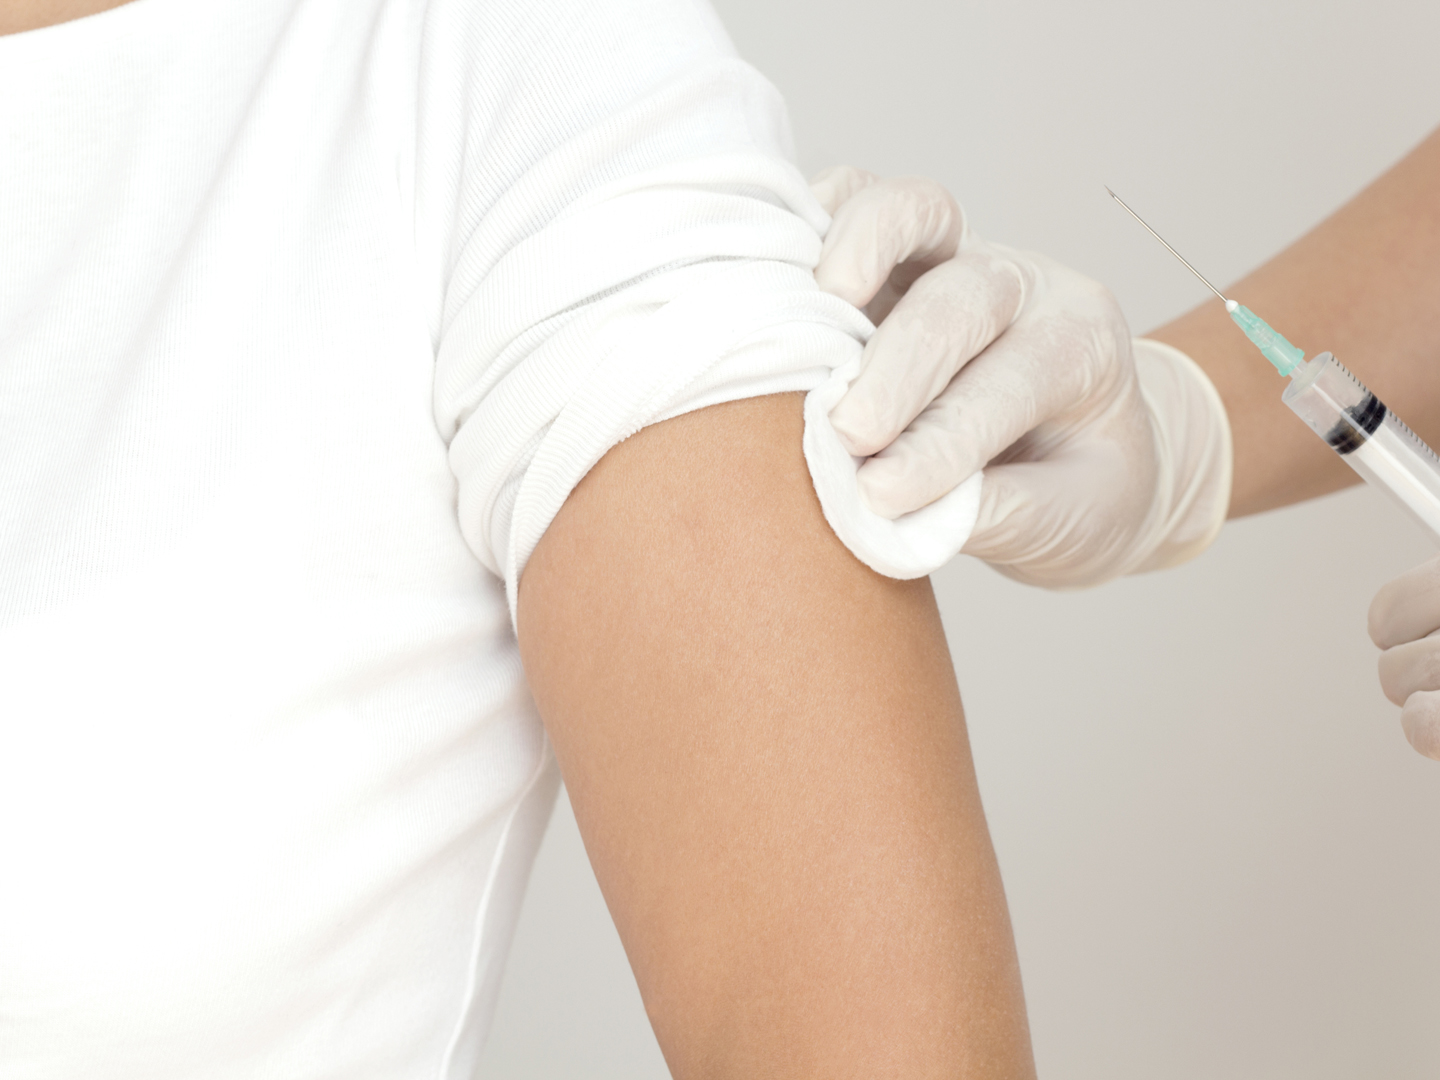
{"x":1336,"y":405}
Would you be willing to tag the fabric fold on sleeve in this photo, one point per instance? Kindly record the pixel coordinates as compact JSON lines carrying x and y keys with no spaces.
{"x":655,"y":262}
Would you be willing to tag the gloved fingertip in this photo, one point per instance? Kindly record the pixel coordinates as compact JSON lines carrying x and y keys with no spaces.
{"x":1377,"y":621}
{"x":857,"y":426}
{"x":881,"y":487}
{"x":848,"y":441}
{"x":1421,"y":723}
{"x":838,"y":279}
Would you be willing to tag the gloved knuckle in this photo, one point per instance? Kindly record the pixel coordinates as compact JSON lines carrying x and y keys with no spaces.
{"x":893,"y":211}
{"x":1091,"y":289}
{"x":1002,"y":281}
{"x":1082,"y":342}
{"x":1102,"y":306}
{"x":947,"y":204}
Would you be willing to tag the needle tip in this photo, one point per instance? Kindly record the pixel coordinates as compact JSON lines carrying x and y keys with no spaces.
{"x":1170,"y":249}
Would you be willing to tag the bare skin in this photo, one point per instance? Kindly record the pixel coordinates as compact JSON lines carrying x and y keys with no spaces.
{"x":764,"y":744}
{"x":1363,"y":285}
{"x":20,"y":15}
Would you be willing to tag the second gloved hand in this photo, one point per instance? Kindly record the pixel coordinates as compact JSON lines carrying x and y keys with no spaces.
{"x":1405,"y":623}
{"x":1102,"y":455}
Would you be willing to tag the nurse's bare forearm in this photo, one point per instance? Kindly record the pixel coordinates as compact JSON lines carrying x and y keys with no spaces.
{"x":764,"y":745}
{"x":1364,"y":284}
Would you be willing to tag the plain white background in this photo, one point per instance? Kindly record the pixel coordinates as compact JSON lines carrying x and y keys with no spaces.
{"x":1222,"y":858}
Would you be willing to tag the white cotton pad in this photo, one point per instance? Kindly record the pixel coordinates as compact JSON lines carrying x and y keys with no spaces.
{"x":908,"y":547}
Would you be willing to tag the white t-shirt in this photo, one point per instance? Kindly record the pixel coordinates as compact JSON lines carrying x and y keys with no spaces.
{"x":311,"y":314}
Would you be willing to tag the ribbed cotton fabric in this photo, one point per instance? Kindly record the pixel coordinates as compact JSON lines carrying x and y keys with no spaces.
{"x":312,"y":312}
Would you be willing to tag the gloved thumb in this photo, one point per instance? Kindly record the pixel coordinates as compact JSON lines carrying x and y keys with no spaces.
{"x":1041,"y":523}
{"x":1011,"y":525}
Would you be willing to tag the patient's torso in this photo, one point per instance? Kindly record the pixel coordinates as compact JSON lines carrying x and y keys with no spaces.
{"x":269,"y":773}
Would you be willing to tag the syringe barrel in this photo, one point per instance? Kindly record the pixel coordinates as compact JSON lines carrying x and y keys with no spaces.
{"x":1368,"y":437}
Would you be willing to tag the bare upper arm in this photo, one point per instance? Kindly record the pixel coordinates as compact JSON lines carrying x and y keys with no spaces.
{"x":765,"y":749}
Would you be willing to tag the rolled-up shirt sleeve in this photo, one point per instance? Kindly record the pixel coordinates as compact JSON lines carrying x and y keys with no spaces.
{"x":624,"y":239}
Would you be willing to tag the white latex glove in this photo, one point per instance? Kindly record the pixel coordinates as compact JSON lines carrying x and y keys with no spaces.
{"x":1102,"y":455}
{"x":1405,"y":622}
